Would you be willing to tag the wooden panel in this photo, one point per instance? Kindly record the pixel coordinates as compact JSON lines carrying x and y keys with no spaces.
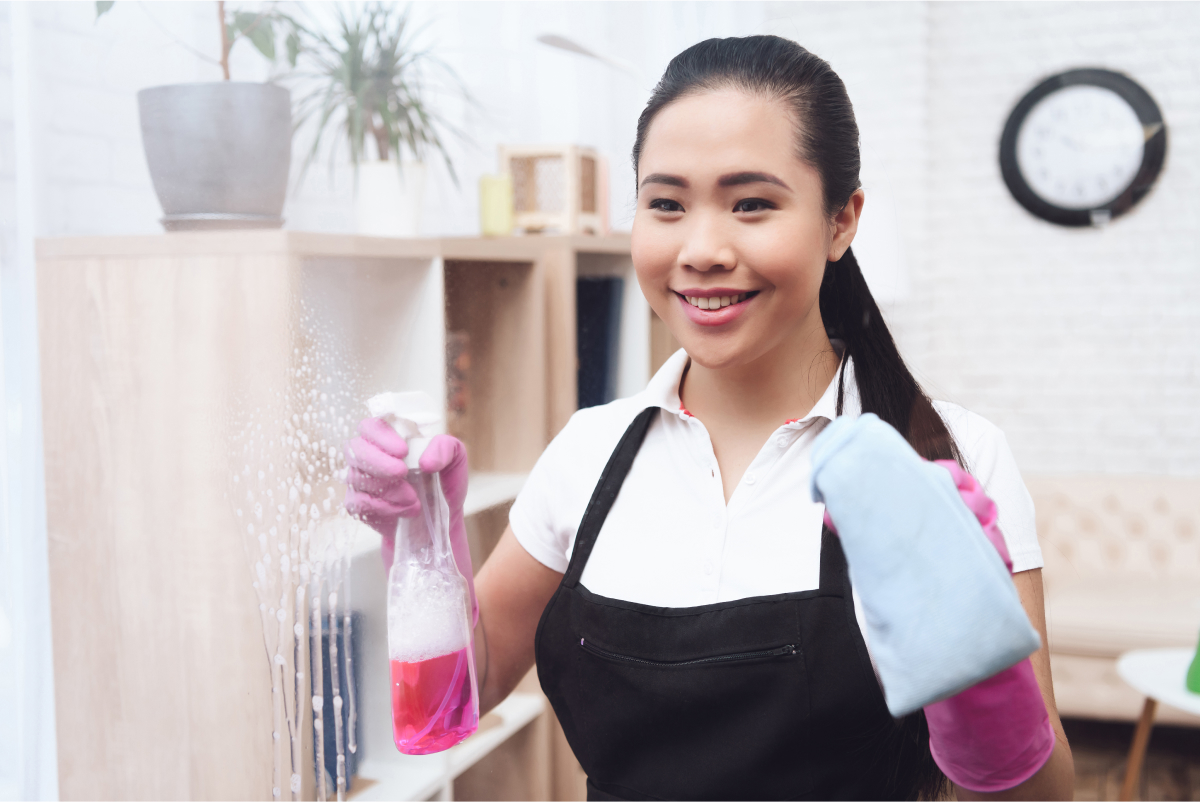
{"x":517,"y":769}
{"x":484,"y":530}
{"x":501,"y":308}
{"x":161,"y":687}
{"x":557,"y":269}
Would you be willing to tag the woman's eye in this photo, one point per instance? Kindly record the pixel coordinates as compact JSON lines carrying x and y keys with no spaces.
{"x":753,"y":205}
{"x":666,"y":205}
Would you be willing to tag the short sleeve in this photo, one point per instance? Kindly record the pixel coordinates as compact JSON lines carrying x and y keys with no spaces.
{"x":547,"y":511}
{"x":991,"y":461}
{"x":537,"y":516}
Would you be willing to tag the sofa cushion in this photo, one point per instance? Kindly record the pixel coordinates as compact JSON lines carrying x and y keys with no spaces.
{"x":1089,"y":687}
{"x":1105,"y":616}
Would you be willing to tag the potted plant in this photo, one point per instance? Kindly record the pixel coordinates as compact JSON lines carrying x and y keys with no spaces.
{"x":219,"y":152}
{"x":368,"y":84}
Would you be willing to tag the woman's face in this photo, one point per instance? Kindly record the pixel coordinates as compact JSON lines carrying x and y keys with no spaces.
{"x":730,"y":237}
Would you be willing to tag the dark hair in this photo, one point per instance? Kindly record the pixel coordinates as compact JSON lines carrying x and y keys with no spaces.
{"x":827,"y":139}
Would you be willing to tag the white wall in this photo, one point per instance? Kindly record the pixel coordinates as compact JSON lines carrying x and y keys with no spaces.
{"x":1082,"y":345}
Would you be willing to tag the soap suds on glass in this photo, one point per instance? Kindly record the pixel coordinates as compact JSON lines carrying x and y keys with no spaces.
{"x":282,"y":452}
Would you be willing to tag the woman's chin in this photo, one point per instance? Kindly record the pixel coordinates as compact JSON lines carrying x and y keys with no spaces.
{"x":717,"y":355}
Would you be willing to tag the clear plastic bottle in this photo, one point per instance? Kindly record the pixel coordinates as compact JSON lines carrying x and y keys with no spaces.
{"x":435,"y":694}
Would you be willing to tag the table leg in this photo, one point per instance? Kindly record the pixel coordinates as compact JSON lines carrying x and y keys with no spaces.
{"x":1137,"y":750}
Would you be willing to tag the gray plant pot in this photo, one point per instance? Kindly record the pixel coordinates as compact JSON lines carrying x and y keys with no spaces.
{"x":218,"y":153}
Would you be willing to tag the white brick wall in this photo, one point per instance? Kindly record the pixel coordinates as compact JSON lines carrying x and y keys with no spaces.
{"x":1082,"y":345}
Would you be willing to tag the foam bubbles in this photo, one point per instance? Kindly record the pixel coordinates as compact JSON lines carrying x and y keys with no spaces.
{"x":426,"y":616}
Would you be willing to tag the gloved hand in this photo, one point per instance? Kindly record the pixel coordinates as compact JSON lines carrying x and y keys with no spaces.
{"x":378,"y":495}
{"x":940,"y":609}
{"x":997,"y":734}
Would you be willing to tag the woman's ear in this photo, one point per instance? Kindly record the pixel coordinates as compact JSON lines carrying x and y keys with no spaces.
{"x":845,"y":226}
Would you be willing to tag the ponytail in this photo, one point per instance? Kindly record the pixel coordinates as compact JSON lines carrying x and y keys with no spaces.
{"x":885,"y":385}
{"x":887,"y":388}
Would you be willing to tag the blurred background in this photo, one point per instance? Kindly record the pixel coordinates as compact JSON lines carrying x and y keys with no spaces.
{"x":1082,"y":343}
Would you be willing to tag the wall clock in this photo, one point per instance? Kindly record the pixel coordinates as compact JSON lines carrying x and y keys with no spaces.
{"x":1082,"y":147}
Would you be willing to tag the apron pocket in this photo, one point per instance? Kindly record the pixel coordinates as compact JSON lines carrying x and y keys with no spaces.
{"x":727,"y":726}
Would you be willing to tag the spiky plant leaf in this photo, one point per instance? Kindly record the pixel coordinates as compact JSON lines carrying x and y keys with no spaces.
{"x":372,"y":83}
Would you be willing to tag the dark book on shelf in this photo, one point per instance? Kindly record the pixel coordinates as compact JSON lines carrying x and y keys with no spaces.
{"x":329,"y":726}
{"x":598,"y":336}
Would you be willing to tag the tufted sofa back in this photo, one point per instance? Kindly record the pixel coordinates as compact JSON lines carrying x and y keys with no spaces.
{"x":1118,"y":526}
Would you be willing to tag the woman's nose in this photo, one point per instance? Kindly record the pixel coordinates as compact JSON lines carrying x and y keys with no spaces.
{"x":707,"y":248}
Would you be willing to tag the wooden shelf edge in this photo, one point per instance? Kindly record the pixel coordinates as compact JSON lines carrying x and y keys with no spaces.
{"x":323,"y":244}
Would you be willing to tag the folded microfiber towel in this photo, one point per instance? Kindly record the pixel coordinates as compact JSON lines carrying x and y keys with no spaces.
{"x":939,"y":605}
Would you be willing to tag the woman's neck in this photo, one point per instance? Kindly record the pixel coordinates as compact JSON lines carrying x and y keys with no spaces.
{"x":741,"y":406}
{"x":783,"y":384}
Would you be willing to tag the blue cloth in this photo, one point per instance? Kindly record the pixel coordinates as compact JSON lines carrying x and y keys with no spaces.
{"x":940,"y":608}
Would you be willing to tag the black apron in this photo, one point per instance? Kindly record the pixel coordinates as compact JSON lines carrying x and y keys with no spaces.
{"x":771,"y":697}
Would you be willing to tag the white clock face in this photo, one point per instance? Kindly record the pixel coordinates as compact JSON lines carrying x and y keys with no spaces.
{"x":1080,"y":147}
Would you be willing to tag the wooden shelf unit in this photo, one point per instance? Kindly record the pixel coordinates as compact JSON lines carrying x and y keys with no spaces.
{"x":160,"y":687}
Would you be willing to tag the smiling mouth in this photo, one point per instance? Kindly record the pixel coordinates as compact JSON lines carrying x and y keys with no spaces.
{"x":717,"y":302}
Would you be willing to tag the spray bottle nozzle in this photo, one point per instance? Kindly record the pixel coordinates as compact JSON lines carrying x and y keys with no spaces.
{"x":415,"y":417}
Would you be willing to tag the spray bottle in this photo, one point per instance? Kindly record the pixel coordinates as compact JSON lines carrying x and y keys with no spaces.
{"x":435,"y":694}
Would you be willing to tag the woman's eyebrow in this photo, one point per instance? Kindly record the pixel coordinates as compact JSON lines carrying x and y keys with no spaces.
{"x":737,"y":179}
{"x":663,"y":178}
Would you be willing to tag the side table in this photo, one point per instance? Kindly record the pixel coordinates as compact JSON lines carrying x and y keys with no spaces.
{"x":1159,"y":674}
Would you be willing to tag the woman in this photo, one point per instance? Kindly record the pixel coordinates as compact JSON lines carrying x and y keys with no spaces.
{"x":691,"y":619}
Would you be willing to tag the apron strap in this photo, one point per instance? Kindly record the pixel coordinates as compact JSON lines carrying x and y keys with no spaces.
{"x":606,"y":493}
{"x":835,"y":577}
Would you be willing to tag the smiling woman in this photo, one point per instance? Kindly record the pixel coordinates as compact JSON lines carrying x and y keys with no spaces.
{"x":694,"y":624}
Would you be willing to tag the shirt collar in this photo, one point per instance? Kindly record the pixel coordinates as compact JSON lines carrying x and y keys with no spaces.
{"x":663,"y":391}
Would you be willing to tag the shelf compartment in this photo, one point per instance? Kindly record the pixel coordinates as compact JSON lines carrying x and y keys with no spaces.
{"x":499,"y":307}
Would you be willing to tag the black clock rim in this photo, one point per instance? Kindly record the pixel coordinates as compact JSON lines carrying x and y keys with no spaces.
{"x":1153,"y":154}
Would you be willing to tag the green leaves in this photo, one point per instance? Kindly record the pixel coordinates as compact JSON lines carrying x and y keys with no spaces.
{"x":259,"y":28}
{"x":293,"y":46}
{"x":370,"y":81}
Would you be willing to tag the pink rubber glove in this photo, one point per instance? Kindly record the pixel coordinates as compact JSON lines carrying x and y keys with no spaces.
{"x":994,"y":735}
{"x":378,"y":495}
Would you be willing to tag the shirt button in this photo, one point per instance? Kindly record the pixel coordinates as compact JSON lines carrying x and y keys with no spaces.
{"x":781,"y":442}
{"x":708,"y":569}
{"x":750,"y":478}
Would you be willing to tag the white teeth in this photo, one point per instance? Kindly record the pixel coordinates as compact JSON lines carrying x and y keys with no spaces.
{"x":716,"y":303}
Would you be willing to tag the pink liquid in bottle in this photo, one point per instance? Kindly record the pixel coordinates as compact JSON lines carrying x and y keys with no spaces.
{"x":433,"y":706}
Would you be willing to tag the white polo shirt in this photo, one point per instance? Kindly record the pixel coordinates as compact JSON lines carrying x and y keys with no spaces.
{"x":670,"y":539}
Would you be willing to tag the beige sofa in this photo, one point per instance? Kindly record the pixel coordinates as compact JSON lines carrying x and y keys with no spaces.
{"x":1122,"y":572}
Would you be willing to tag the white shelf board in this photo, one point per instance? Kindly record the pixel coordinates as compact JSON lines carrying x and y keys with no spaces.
{"x":418,"y":777}
{"x":486,"y":490}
